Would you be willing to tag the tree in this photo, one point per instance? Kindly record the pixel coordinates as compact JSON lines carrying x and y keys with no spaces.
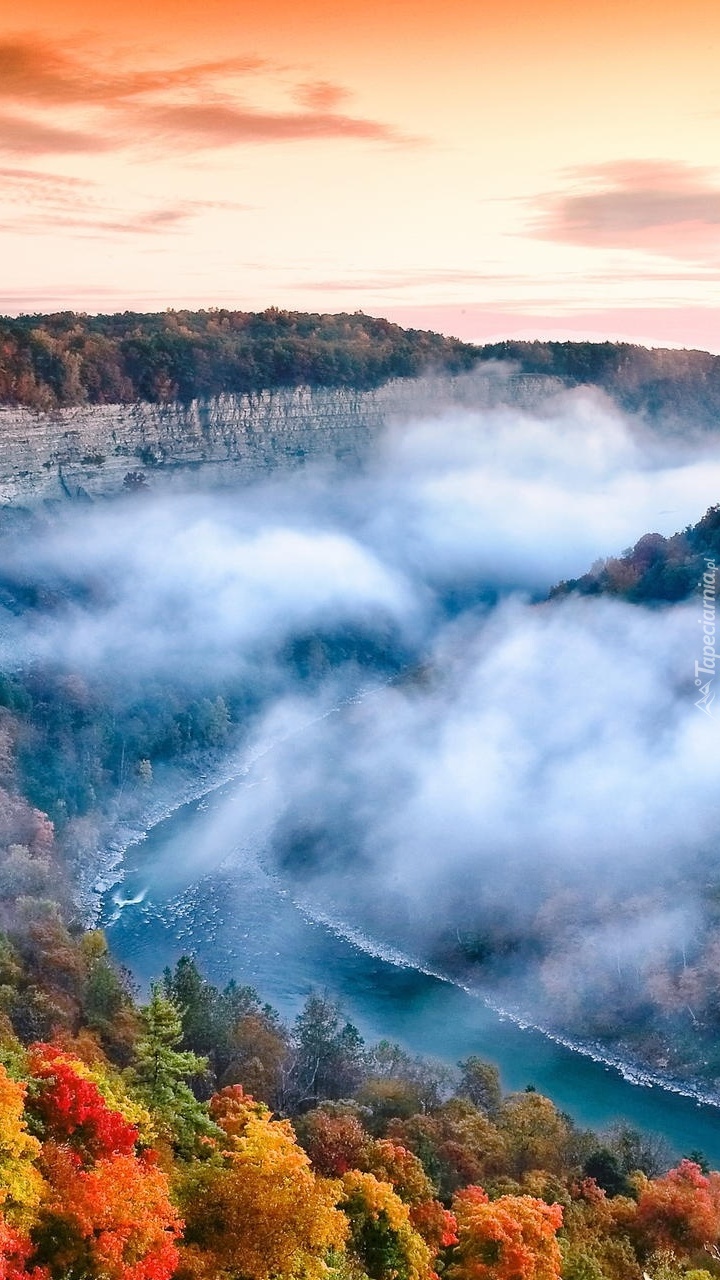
{"x":604,"y":1166}
{"x":258,"y":1049}
{"x":680,"y":1210}
{"x":334,"y":1140}
{"x":512,"y":1238}
{"x":71,"y":1109}
{"x":256,"y":1209}
{"x":329,"y":1053}
{"x":634,"y":1150}
{"x":480,"y":1083}
{"x":109,"y":1009}
{"x":135,"y":482}
{"x":383,"y":1238}
{"x":393,"y":1163}
{"x":160,"y":1073}
{"x":15,"y":1250}
{"x":458,"y":1145}
{"x":536,"y":1134}
{"x":21,"y":1184}
{"x":195,"y":1000}
{"x":111,"y":1221}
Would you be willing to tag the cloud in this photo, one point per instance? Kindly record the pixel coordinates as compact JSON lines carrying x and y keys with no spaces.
{"x":222,"y":125}
{"x":40,"y":196}
{"x":40,"y":202}
{"x":34,"y":178}
{"x":419,"y":278}
{"x":21,"y":135}
{"x":34,"y":70}
{"x":151,"y":222}
{"x":662,"y":207}
{"x":448,"y":506}
{"x":536,"y":751}
{"x":188,"y":106}
{"x":321,"y":95}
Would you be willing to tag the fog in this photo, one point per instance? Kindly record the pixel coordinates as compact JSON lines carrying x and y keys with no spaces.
{"x":446,"y":508}
{"x":523,"y":770}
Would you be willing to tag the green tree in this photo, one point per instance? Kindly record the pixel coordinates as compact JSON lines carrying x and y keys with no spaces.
{"x":329,"y":1059}
{"x":480,"y":1083}
{"x":161,"y":1071}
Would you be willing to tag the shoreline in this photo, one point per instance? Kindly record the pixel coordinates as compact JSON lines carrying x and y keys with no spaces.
{"x":170,"y":794}
{"x":633,"y":1071}
{"x":105,"y":870}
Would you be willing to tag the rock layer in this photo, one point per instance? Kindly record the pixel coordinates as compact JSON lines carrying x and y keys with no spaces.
{"x":88,"y":451}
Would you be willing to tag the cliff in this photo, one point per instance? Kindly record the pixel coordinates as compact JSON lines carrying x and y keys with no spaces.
{"x":87,"y":452}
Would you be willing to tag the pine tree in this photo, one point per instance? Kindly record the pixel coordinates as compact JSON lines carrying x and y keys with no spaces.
{"x":161,"y":1071}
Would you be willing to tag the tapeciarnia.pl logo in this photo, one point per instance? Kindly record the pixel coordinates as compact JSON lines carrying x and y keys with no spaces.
{"x":705,"y":671}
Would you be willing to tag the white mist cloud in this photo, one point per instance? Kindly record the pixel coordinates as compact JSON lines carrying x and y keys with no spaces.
{"x":546,"y":753}
{"x":551,"y":780}
{"x":447,"y":508}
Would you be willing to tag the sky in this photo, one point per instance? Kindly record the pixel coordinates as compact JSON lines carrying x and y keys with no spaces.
{"x":542,"y":169}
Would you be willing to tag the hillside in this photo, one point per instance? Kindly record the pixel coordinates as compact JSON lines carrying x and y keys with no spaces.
{"x":682,"y":387}
{"x":139,"y":1143}
{"x":657,"y":570}
{"x":178,"y":356}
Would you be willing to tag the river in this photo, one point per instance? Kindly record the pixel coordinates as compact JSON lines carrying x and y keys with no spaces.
{"x":242,"y":922}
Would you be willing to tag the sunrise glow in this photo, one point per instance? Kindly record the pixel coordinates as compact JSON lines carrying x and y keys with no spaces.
{"x":542,"y":169}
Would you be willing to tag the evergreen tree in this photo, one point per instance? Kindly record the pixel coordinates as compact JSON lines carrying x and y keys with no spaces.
{"x":161,"y":1071}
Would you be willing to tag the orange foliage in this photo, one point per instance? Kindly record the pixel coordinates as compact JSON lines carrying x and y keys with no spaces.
{"x":115,"y":1218}
{"x":436,"y":1225}
{"x":393,"y":1163}
{"x":512,"y":1238}
{"x":681,"y":1209}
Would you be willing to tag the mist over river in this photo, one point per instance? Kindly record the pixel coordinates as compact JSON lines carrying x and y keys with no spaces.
{"x":242,"y":921}
{"x":448,"y":756}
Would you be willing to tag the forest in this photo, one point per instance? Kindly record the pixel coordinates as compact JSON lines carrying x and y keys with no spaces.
{"x":75,"y":750}
{"x":197,"y":1136}
{"x":69,"y":359}
{"x":678,"y":387}
{"x":192,"y":1133}
{"x":657,"y":570}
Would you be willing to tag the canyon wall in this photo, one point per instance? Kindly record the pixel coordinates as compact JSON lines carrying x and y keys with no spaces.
{"x":88,"y":451}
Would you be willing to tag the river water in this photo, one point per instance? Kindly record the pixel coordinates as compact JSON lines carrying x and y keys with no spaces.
{"x":240,"y":921}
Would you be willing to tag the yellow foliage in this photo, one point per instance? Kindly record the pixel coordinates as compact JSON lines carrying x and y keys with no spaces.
{"x":257,"y":1209}
{"x":368,"y":1200}
{"x":21,"y":1184}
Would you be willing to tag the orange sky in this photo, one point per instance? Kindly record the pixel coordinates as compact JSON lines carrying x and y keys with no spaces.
{"x":529,"y":168}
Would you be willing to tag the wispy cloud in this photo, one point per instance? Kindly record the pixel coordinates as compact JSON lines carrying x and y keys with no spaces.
{"x":92,"y":220}
{"x":191,"y":106}
{"x":221,"y":125}
{"x":34,"y":70}
{"x":380,"y":280}
{"x":26,"y":136}
{"x":38,"y":202}
{"x":662,"y":207}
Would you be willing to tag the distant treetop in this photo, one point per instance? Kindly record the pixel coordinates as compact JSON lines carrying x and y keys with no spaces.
{"x":66,"y":359}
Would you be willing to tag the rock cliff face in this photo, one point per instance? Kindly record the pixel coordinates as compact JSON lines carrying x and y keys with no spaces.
{"x":71,"y":453}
